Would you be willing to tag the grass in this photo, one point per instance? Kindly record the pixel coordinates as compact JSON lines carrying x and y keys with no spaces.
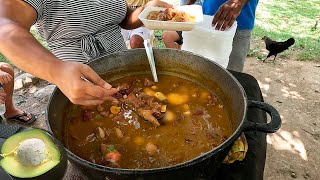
{"x":158,"y":33}
{"x":278,"y":20}
{"x":281,"y":20}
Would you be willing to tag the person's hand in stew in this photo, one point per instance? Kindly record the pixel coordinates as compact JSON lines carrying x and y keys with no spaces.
{"x":227,"y":14}
{"x":80,"y":91}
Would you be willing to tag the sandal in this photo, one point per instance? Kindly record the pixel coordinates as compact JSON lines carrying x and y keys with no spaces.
{"x":19,"y":118}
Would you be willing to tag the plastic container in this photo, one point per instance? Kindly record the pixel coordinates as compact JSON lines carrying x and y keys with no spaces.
{"x":194,"y":10}
{"x":206,"y":41}
{"x":2,"y":105}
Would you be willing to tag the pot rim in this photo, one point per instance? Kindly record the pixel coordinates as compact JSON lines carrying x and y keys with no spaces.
{"x":236,"y":133}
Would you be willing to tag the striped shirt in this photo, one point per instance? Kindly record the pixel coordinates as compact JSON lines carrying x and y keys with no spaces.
{"x":80,"y":30}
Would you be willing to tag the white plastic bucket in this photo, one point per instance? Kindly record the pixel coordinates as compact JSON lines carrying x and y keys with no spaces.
{"x":208,"y":42}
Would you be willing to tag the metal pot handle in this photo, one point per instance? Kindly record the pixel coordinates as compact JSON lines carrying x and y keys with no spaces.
{"x":270,"y":127}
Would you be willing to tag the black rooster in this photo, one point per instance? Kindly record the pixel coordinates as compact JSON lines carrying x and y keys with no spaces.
{"x":275,"y":47}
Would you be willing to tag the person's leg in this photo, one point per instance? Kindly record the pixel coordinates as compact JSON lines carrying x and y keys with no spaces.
{"x":11,"y":111}
{"x":136,"y":41}
{"x":137,"y":37}
{"x":171,"y":39}
{"x":240,"y":50}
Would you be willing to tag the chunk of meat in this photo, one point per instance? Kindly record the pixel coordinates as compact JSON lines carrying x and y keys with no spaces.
{"x":212,"y":99}
{"x":147,"y":82}
{"x":118,"y":118}
{"x":87,"y":115}
{"x":198,"y":112}
{"x":148,"y":115}
{"x":124,"y":89}
{"x":180,"y":118}
{"x":134,"y":100}
{"x":143,"y":104}
{"x":100,"y":108}
{"x":103,"y":148}
{"x":104,"y":113}
{"x":162,"y":16}
{"x":170,"y":13}
{"x":153,"y":15}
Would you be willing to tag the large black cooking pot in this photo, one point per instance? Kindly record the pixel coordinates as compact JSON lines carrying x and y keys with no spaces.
{"x":186,"y":65}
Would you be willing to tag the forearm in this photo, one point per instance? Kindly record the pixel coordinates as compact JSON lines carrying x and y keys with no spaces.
{"x":23,"y":50}
{"x":132,"y":21}
{"x":189,"y":2}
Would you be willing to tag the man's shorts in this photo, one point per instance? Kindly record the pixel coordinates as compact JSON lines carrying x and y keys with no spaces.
{"x":141,"y":31}
{"x":180,"y":41}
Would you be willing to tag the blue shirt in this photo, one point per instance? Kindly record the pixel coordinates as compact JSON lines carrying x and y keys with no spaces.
{"x":198,"y":2}
{"x":245,"y":19}
{"x":182,"y":2}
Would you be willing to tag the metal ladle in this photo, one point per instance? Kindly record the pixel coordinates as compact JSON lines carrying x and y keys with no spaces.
{"x":149,"y":51}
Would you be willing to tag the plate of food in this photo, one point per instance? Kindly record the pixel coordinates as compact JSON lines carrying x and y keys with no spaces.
{"x":181,"y":18}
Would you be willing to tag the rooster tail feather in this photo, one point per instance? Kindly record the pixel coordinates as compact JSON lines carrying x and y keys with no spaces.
{"x":290,"y":42}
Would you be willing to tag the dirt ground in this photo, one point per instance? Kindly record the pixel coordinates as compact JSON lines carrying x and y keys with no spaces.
{"x":292,"y":87}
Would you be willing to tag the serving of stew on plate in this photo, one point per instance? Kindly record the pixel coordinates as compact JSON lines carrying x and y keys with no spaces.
{"x":150,"y":125}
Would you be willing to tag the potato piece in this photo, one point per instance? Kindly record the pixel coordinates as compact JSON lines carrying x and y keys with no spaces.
{"x":169,"y":117}
{"x":139,"y":140}
{"x":100,"y":133}
{"x":187,"y":113}
{"x":204,"y":95}
{"x":115,"y":109}
{"x":151,"y":148}
{"x":160,"y":96}
{"x":149,"y":91}
{"x":185,"y":107}
{"x":154,"y":87}
{"x":177,"y":99}
{"x":119,"y":133}
{"x":163,"y":108}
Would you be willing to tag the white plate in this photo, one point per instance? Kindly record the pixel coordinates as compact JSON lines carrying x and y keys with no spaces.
{"x":194,"y":10}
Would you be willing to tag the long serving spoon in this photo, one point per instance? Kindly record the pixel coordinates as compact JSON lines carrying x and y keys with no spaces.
{"x":149,"y":51}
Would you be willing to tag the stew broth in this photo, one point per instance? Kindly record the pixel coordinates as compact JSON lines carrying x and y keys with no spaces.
{"x":114,"y":135}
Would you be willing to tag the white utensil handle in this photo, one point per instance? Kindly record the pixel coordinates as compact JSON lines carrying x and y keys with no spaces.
{"x":149,"y":52}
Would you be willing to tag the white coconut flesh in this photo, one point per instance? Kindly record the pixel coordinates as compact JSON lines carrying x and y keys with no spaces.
{"x":31,"y":152}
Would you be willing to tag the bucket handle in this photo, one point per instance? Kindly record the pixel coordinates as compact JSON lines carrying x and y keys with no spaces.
{"x":270,"y":127}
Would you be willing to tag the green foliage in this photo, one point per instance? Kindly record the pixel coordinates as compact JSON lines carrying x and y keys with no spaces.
{"x":158,"y":33}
